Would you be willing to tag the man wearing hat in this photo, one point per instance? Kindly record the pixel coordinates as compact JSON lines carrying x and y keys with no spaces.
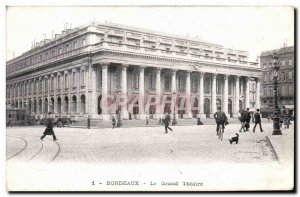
{"x":49,"y":128}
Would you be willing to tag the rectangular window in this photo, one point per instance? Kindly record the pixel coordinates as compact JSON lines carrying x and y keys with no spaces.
{"x":118,"y":79}
{"x":67,"y":48}
{"x":135,"y":81}
{"x":25,"y":89}
{"x":181,"y":83}
{"x":66,"y":80}
{"x":46,"y":84}
{"x":83,"y":42}
{"x":52,"y":83}
{"x":283,"y":63}
{"x":41,"y":86}
{"x":167,"y":83}
{"x":290,"y":75}
{"x":218,"y":86}
{"x":99,"y":79}
{"x":74,"y":79}
{"x":194,"y":84}
{"x":53,"y":53}
{"x":290,"y":62}
{"x":58,"y":82}
{"x":75,"y":45}
{"x":82,"y":82}
{"x":152,"y":82}
{"x":59,"y":51}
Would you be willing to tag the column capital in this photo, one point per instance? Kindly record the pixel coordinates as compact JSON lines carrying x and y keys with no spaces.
{"x":104,"y":64}
{"x":125,"y":66}
{"x":201,"y":74}
{"x":237,"y":76}
{"x":158,"y":70}
{"x":226,"y":76}
{"x":140,"y":67}
{"x":257,"y":79}
{"x":214,"y":75}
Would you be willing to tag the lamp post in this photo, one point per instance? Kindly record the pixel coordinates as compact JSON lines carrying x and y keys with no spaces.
{"x":276,"y":112}
{"x":174,"y":122}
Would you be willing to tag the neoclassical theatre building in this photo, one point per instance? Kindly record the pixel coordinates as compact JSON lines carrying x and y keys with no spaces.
{"x":101,"y":69}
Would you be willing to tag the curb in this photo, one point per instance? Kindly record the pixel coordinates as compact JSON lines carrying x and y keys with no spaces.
{"x":270,"y":143}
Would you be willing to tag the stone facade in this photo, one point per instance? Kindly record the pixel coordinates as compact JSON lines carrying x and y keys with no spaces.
{"x":285,"y":79}
{"x":103,"y":69}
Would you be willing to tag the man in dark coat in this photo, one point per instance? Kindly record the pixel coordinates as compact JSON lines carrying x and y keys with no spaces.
{"x":247,"y":119}
{"x":257,"y":120}
{"x":167,"y":122}
{"x":243,"y":120}
{"x":220,"y":118}
{"x":49,"y":128}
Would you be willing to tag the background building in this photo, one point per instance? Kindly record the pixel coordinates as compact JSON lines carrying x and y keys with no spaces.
{"x":285,"y":79}
{"x":101,"y":69}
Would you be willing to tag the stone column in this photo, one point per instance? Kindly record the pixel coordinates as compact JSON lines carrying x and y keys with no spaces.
{"x":257,"y":100}
{"x":188,"y":112}
{"x":92,"y":92}
{"x":69,"y":72}
{"x":78,"y":88}
{"x":201,"y":96}
{"x":124,"y":110}
{"x":141,"y":93}
{"x":225,"y":96}
{"x":247,"y":93}
{"x":105,"y":115}
{"x":86,"y":83}
{"x":54,"y":92}
{"x":42,"y":97}
{"x":214,"y":95}
{"x":158,"y":95}
{"x":237,"y":96}
{"x":174,"y":96}
{"x":61,"y":84}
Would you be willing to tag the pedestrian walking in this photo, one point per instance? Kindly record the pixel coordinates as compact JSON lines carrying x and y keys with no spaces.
{"x":247,"y":119}
{"x":159,"y":121}
{"x":49,"y":128}
{"x":243,"y":120}
{"x":167,"y":122}
{"x":88,"y":122}
{"x":113,"y":122}
{"x":119,"y":121}
{"x":147,"y":121}
{"x":286,"y":118}
{"x":220,"y":118}
{"x":10,"y":122}
{"x":257,"y":119}
{"x":129,"y":114}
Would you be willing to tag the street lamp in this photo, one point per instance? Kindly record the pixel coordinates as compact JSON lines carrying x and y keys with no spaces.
{"x":276,"y":112}
{"x":174,"y":122}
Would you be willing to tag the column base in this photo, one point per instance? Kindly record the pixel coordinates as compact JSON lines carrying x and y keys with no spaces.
{"x":105,"y":117}
{"x":142,"y":116}
{"x":157,"y":116}
{"x":201,"y":116}
{"x":124,"y":115}
{"x":188,"y":116}
{"x":95,"y":116}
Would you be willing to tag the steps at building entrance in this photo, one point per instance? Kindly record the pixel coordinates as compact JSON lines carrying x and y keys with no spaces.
{"x":142,"y":123}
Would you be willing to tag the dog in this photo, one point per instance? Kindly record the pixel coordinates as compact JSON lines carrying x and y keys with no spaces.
{"x":234,"y":139}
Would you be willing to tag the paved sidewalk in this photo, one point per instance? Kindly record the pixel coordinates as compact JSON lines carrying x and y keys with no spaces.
{"x":283,"y":145}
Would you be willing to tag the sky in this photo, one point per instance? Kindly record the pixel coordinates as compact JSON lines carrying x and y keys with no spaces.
{"x":252,"y":29}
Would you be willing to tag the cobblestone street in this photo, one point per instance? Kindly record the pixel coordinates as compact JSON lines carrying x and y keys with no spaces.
{"x":137,"y":147}
{"x":197,"y":144}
